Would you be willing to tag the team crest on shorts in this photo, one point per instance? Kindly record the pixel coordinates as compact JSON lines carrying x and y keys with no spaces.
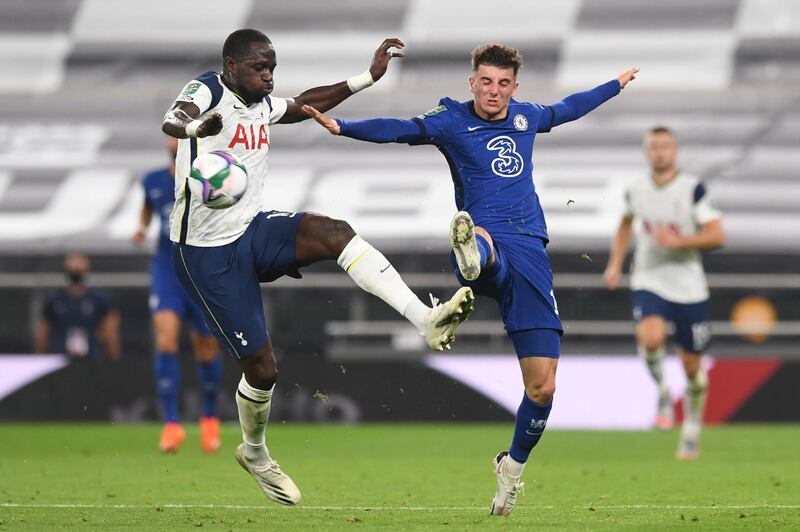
{"x":520,"y":122}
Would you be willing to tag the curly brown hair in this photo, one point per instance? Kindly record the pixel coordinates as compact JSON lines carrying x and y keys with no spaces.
{"x":497,"y":55}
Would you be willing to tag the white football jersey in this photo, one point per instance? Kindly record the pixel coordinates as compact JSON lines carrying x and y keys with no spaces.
{"x":683,"y":205}
{"x":245,"y":133}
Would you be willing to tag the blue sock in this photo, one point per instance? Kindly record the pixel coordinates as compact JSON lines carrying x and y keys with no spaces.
{"x":168,"y":381}
{"x":531,"y":422}
{"x":210,"y":376}
{"x":484,"y":248}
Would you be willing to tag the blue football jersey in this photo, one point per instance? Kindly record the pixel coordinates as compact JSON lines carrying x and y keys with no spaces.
{"x":491,"y":162}
{"x":159,"y":193}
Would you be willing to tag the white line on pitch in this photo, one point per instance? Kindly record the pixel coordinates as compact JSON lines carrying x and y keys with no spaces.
{"x":409,"y":508}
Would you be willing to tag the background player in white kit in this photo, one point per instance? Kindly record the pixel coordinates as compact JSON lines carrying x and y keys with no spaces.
{"x":675,"y":221}
{"x":221,"y":255}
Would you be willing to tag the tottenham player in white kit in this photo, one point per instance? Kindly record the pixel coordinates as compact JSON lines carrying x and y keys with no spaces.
{"x":221,"y":255}
{"x":675,"y":221}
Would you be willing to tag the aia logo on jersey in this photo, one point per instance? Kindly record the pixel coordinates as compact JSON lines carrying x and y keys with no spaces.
{"x":651,"y":227}
{"x":249,"y":138}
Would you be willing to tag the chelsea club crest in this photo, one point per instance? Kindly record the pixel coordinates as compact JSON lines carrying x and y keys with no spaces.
{"x":520,"y":122}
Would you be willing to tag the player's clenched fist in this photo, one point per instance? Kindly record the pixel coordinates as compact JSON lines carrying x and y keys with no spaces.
{"x":211,"y":126}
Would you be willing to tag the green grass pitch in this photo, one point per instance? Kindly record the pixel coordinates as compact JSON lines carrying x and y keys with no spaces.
{"x":398,"y":476}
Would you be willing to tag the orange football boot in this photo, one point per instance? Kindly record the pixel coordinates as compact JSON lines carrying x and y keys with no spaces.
{"x":209,"y":434}
{"x":172,"y":436}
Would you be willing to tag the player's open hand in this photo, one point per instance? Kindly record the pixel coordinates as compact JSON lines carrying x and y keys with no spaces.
{"x":324,"y":120}
{"x":211,"y":126}
{"x":380,"y":61}
{"x":626,"y":76}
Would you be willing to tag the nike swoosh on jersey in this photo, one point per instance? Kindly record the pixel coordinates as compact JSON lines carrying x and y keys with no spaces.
{"x":473,"y":128}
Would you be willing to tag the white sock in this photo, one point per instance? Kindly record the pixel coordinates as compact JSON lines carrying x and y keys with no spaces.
{"x":374,"y":274}
{"x":513,"y":467}
{"x":253,"y":405}
{"x":655,"y":364}
{"x":695,"y":402}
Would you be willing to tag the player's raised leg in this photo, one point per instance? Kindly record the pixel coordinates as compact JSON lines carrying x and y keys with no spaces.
{"x":166,"y":324}
{"x":472,"y":246}
{"x":694,"y":406}
{"x":539,"y":378}
{"x":651,"y":335}
{"x":321,"y":238}
{"x":209,"y":375}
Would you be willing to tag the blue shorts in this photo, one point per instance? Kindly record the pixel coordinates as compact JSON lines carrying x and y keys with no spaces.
{"x":225,"y":280}
{"x":690,"y":319}
{"x":521,"y":281}
{"x":166,"y":293}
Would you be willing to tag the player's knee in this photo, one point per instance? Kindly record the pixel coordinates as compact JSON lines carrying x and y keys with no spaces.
{"x":651,"y":338}
{"x":166,"y":344}
{"x":340,"y":233}
{"x":541,"y":393}
{"x":262,"y":378}
{"x":205,"y":349}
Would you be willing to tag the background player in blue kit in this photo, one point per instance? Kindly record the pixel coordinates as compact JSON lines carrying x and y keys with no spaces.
{"x":499,"y":234}
{"x":170,"y":304}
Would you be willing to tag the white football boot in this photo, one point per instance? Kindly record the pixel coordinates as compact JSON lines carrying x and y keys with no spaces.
{"x":689,"y":444}
{"x":444,"y":318}
{"x":505,"y":498}
{"x":465,"y":245}
{"x":275,"y":484}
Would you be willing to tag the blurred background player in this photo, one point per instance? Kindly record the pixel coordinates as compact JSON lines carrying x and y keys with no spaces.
{"x":499,"y":236}
{"x":221,"y":255}
{"x":169,"y":305}
{"x":78,"y":319}
{"x":676,"y":221}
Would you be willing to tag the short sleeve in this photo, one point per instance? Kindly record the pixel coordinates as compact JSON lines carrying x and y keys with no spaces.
{"x":627,"y":205}
{"x":703,"y":211}
{"x":102,"y":304}
{"x":198,"y":93}
{"x":277,"y":108}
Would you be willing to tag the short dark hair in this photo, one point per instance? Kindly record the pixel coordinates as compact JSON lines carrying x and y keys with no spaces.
{"x":238,"y":43}
{"x":496,"y":55}
{"x":661,"y":129}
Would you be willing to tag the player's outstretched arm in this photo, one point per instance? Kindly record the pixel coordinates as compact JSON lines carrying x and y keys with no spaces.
{"x":378,"y":130}
{"x":579,"y":104}
{"x":181,"y":122}
{"x":329,"y":96}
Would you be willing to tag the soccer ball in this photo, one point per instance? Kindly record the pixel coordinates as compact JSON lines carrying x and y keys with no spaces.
{"x":220,"y":179}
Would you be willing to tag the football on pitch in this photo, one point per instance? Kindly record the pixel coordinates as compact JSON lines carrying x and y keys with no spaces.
{"x":221,"y":177}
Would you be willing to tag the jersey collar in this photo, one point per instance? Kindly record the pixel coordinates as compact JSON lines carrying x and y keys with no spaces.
{"x":471,"y":105}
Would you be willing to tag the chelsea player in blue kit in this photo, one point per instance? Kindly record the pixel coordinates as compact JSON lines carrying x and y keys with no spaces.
{"x":499,"y":234}
{"x":170,"y":304}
